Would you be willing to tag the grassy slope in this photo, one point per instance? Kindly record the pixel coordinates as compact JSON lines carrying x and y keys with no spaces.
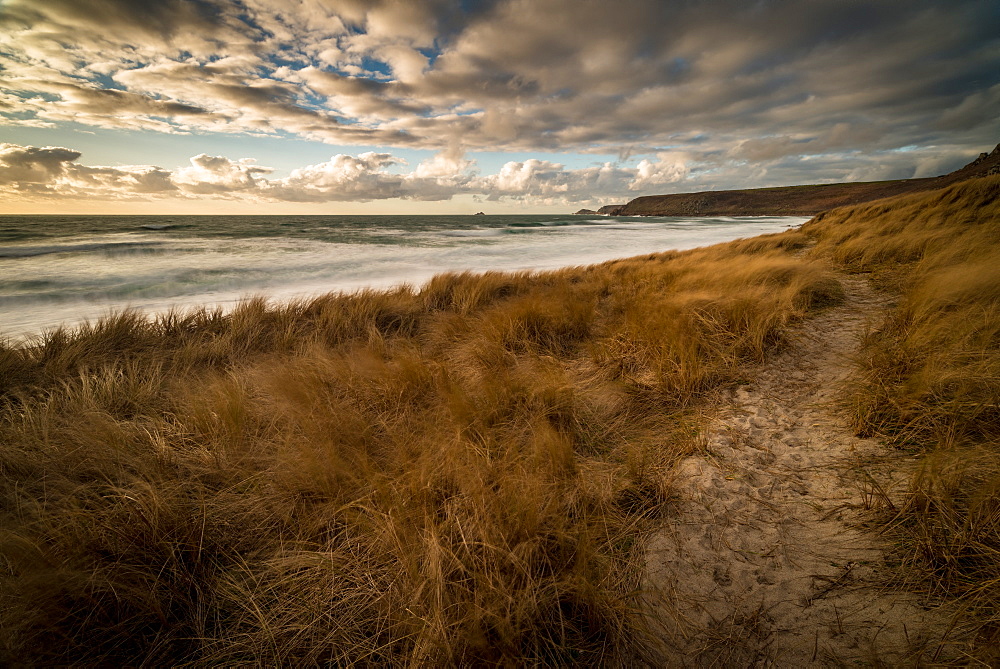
{"x":781,"y":201}
{"x":459,"y":474}
{"x":929,"y":379}
{"x":797,"y":200}
{"x":464,"y":473}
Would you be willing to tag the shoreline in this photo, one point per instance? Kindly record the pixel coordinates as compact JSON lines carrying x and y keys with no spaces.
{"x":510,"y":468}
{"x":398,"y":266}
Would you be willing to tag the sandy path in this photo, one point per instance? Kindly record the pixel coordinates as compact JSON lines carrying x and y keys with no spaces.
{"x":761,"y":555}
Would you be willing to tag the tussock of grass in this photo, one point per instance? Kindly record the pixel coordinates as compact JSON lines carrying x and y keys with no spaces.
{"x":929,"y":378}
{"x":456,"y":474}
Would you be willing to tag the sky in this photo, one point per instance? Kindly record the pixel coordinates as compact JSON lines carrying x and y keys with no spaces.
{"x":458,"y":106}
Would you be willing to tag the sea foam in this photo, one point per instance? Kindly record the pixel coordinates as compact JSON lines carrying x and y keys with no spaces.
{"x":61,"y":270}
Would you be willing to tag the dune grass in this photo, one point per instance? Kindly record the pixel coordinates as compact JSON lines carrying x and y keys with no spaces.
{"x":464,"y":473}
{"x":929,"y":380}
{"x":457,"y":474}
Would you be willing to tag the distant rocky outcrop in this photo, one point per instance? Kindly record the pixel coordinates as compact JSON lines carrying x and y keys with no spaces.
{"x":983,"y":157}
{"x":795,"y":200}
{"x":586,"y":212}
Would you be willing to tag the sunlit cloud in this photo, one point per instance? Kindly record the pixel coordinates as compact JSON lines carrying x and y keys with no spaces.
{"x":28,"y":172}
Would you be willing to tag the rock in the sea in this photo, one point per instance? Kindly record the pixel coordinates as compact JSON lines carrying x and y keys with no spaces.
{"x":479,"y":213}
{"x":586,"y":212}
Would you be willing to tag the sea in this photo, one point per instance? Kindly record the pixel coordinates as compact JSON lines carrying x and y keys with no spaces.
{"x":62,"y":270}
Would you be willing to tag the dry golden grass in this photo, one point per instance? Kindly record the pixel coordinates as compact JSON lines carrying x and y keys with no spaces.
{"x":463,"y":474}
{"x":460,"y":474}
{"x":929,"y":378}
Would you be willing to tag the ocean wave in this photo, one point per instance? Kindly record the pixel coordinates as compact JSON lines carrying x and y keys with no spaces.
{"x":486,"y":232}
{"x":115,"y":264}
{"x":538,"y":224}
{"x":110,"y":248}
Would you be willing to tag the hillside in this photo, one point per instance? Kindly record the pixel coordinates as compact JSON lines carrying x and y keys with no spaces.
{"x":778,"y":451}
{"x":796,"y":200}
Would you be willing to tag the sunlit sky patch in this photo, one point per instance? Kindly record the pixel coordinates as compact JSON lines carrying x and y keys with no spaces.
{"x":393,"y":106}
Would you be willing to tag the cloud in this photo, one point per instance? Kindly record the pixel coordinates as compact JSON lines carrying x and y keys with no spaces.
{"x":217,"y":175}
{"x":540,"y":180}
{"x":343,"y":177}
{"x":29,"y":164}
{"x":28,"y":171}
{"x":31,"y":173}
{"x":689,"y":95}
{"x":754,"y":82}
{"x":449,"y":164}
{"x":668,"y":169}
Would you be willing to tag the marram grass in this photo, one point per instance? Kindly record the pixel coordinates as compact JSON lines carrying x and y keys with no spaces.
{"x":460,"y":474}
{"x":929,"y":379}
{"x":464,"y":473}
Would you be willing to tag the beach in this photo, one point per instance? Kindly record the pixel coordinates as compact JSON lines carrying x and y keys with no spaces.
{"x":64,"y":269}
{"x":674,"y":455}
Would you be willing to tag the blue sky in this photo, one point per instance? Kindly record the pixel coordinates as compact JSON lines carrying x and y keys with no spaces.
{"x":284,"y":152}
{"x":380,"y":106}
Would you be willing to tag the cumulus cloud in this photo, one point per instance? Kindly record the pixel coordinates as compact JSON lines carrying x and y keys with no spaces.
{"x":448,"y":164}
{"x":668,"y":169}
{"x":541,"y":180}
{"x":343,"y":177}
{"x":219,"y":175}
{"x":28,"y":172}
{"x":29,"y":164}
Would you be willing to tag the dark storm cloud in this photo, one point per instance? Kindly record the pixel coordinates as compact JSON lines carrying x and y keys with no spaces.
{"x":737,"y":88}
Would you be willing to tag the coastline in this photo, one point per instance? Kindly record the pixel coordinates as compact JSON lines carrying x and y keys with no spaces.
{"x":803,"y":200}
{"x":482,"y":470}
{"x":173,"y":268}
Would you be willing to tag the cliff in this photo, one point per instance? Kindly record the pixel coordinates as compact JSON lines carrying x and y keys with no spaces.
{"x":795,"y":200}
